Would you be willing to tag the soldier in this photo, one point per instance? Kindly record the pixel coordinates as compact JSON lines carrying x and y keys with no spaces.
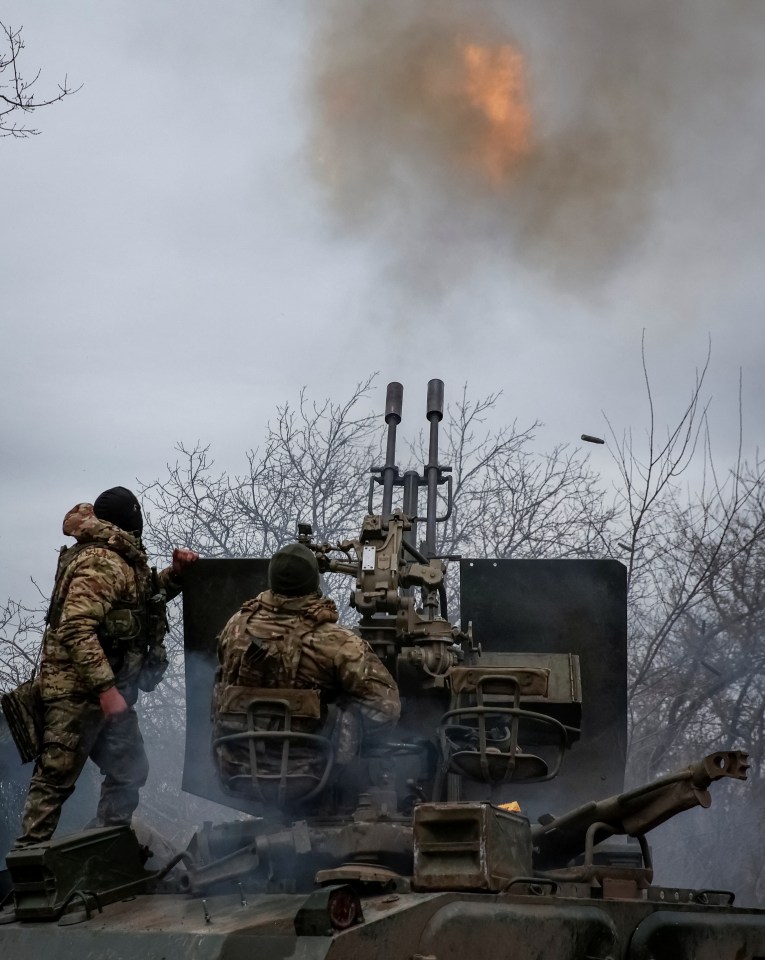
{"x":103,"y":642}
{"x":288,"y":639}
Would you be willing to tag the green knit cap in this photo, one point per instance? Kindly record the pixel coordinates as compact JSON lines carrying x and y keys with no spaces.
{"x":293,"y":571}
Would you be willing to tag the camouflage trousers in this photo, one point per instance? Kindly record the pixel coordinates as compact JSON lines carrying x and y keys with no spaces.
{"x":75,"y":729}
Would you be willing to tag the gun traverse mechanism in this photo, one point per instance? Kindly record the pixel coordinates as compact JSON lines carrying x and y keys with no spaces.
{"x":412,"y":844}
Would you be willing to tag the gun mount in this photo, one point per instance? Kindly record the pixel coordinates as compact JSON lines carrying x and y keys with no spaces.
{"x":435,"y":841}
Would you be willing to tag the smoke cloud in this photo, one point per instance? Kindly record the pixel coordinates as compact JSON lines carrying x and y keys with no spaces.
{"x":619,"y":98}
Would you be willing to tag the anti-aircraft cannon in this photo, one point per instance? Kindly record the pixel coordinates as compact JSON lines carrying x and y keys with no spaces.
{"x":445,"y":838}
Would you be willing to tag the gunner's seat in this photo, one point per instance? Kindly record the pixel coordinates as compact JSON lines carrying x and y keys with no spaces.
{"x":261,"y":756}
{"x":481,"y":732}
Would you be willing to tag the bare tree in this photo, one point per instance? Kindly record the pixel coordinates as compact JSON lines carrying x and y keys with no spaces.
{"x":20,"y":640}
{"x":311,"y":468}
{"x":17,"y":93}
{"x":511,"y":500}
{"x":694,"y":553}
{"x":685,"y":550}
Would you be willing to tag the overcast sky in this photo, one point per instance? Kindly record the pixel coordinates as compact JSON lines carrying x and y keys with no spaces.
{"x":246,"y":197}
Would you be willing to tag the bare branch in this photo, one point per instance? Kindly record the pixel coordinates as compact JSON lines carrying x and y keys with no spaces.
{"x":16,"y":93}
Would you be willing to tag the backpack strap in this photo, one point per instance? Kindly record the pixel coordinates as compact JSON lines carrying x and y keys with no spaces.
{"x":66,"y":557}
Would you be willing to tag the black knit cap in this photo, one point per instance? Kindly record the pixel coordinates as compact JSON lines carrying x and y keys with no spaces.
{"x":119,"y":506}
{"x":293,"y":571}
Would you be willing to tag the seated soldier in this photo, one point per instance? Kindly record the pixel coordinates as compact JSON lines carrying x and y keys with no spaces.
{"x":287,"y":644}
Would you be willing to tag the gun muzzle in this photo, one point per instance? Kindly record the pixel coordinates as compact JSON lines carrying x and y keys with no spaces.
{"x":394,"y":399}
{"x":435,"y":399}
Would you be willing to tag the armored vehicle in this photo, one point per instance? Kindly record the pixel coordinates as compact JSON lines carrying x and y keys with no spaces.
{"x":493,"y":823}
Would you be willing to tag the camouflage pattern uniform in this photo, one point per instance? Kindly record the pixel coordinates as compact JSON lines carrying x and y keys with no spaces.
{"x":106,"y":626}
{"x":295,"y":643}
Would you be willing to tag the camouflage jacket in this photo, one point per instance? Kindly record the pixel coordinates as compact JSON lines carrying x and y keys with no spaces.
{"x":296,"y":643}
{"x":100,"y":631}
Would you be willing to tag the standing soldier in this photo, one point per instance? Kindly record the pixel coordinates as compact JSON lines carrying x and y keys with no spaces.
{"x":103,"y":643}
{"x":288,"y":639}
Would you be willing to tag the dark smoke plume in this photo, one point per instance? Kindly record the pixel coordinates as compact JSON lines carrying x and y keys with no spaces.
{"x":612,"y":88}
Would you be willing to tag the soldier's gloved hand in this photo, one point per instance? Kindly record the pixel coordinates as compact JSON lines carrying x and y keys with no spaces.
{"x":112,"y":702}
{"x":182,"y":559}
